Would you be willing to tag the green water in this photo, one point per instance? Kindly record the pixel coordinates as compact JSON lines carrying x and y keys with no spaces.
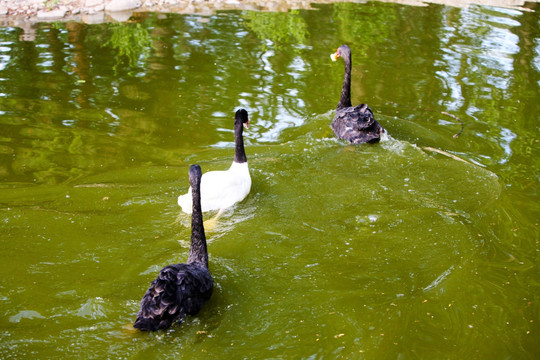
{"x":423,"y":246}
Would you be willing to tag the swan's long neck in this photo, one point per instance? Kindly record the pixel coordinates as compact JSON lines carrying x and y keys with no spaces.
{"x":239,"y":151}
{"x":198,"y":252}
{"x":345,"y":100}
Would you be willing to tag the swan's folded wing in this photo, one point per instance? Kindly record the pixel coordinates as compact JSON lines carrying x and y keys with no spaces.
{"x":222,"y":189}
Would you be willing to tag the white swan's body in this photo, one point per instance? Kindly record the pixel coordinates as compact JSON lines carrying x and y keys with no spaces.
{"x":222,"y":189}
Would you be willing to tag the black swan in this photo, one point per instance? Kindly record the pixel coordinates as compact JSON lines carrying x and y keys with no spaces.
{"x":180,"y":289}
{"x":355,"y":124}
{"x":222,"y":189}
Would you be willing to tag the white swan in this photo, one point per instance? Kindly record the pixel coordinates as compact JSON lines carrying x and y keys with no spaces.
{"x":222,"y":189}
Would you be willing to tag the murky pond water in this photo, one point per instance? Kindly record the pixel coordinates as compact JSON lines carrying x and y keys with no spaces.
{"x":423,"y":246}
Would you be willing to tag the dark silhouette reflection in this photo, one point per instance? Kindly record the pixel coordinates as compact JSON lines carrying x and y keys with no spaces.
{"x":80,"y":62}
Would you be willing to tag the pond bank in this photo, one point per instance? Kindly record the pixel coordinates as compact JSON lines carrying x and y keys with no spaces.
{"x":98,"y":11}
{"x":18,"y":12}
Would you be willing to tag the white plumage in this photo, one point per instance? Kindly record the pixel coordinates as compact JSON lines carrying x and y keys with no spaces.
{"x":222,"y":189}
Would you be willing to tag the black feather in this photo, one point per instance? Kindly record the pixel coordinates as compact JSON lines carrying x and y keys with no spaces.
{"x":354,"y":124}
{"x":180,"y":289}
{"x":357,"y":125}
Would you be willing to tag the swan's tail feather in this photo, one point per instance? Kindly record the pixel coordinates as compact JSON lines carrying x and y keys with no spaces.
{"x":150,"y":324}
{"x":184,"y":201}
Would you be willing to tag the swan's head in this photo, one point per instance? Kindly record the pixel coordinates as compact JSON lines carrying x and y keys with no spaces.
{"x":242,"y":116}
{"x":195,"y":174}
{"x":343,"y":51}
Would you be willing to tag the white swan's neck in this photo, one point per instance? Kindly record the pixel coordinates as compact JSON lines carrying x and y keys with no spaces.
{"x":239,"y":151}
{"x":238,"y":166}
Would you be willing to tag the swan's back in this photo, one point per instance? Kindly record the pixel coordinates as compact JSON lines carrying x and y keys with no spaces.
{"x":178,"y":290}
{"x":356,"y":124}
{"x":220,"y":189}
{"x":235,"y":186}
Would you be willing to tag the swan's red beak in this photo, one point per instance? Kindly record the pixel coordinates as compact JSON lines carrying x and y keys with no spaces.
{"x":335,"y":55}
{"x":246,"y":124}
